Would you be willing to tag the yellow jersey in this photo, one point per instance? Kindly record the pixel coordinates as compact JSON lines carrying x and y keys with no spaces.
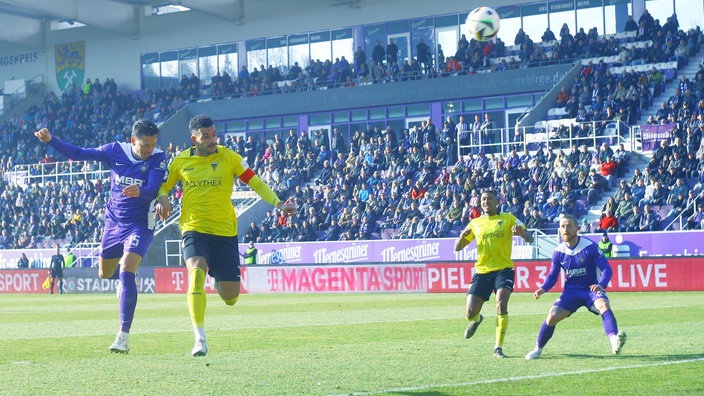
{"x":494,"y":241}
{"x":207,"y":189}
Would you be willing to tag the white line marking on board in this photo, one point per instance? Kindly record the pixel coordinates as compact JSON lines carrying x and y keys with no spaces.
{"x":521,"y":378}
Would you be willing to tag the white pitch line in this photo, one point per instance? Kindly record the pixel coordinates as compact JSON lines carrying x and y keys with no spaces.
{"x":526,"y":377}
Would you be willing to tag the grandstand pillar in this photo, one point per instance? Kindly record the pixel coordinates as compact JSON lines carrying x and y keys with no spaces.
{"x":638,"y":8}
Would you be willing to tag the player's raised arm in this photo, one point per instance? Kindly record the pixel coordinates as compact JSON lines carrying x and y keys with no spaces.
{"x":69,"y":150}
{"x":521,"y":231}
{"x":464,"y":239}
{"x":43,"y":135}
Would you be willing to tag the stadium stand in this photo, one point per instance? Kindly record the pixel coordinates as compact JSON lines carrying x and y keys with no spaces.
{"x":395,"y":184}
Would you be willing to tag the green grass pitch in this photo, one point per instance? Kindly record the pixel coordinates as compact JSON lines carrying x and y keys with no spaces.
{"x":342,"y":344}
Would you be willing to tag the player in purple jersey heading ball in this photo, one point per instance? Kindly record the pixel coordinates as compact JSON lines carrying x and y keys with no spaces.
{"x":580,"y":258}
{"x":136,"y":171}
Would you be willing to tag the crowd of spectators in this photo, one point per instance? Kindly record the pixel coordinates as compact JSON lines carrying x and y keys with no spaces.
{"x":672,"y":184}
{"x":42,"y":215}
{"x":388,"y":184}
{"x":43,"y":212}
{"x":596,"y":95}
{"x":380,"y":183}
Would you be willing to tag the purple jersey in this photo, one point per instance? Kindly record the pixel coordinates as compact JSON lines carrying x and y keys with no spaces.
{"x":125,"y":170}
{"x":580,"y":265}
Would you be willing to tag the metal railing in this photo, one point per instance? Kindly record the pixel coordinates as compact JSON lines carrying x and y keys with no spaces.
{"x":544,"y":244}
{"x":680,"y":220}
{"x":21,"y":93}
{"x":70,"y":171}
{"x":555,"y":134}
{"x":86,"y":251}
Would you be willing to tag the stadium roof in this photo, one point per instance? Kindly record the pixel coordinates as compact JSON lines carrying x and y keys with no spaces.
{"x":25,"y":22}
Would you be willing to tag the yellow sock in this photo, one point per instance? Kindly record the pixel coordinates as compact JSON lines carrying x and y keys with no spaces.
{"x":474,"y":318}
{"x":232,"y":301}
{"x":196,"y":296}
{"x":501,"y":326}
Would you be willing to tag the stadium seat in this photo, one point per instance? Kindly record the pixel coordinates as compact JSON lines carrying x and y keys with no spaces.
{"x":556,"y":113}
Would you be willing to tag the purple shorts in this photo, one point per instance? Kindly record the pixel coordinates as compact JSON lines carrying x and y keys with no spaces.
{"x":572,"y":300}
{"x":120,"y":238}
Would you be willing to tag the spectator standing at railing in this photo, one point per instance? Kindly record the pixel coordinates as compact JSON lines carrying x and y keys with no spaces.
{"x":548,"y":35}
{"x":423,"y":55}
{"x":520,"y":37}
{"x":461,"y":130}
{"x":646,"y":22}
{"x":487,"y":130}
{"x":137,"y":170}
{"x":378,"y":53}
{"x":631,"y":25}
{"x":391,"y":52}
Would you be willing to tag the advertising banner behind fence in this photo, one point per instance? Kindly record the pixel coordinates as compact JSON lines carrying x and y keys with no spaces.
{"x":76,"y":280}
{"x":631,"y":274}
{"x":639,"y":244}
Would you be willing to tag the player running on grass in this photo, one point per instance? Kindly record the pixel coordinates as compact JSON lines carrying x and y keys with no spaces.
{"x":494,"y":233}
{"x":208,"y":220}
{"x":136,"y":171}
{"x":579,"y":258}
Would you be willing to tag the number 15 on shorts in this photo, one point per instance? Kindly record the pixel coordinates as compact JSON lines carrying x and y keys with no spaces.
{"x":134,"y":240}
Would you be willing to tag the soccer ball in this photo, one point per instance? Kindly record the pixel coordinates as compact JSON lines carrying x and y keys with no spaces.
{"x":483,"y":23}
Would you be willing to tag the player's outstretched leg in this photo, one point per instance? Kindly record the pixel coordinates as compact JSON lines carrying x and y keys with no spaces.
{"x":196,"y":306}
{"x":473,"y":325}
{"x":544,"y":335}
{"x":128,"y":304}
{"x":617,"y":342}
{"x":200,"y":348}
{"x":121,"y":343}
{"x":501,"y":326}
{"x":616,"y":338}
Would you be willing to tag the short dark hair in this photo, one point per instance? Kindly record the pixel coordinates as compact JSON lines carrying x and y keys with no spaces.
{"x":571,"y":218}
{"x":198,"y":122}
{"x":144,"y":128}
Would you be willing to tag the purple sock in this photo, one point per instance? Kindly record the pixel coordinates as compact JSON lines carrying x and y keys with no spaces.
{"x":116,"y":274}
{"x":128,"y":300}
{"x":545,"y":334}
{"x":609,"y":322}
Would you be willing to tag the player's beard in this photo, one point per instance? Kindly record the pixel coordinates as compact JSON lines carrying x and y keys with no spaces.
{"x":205,"y":150}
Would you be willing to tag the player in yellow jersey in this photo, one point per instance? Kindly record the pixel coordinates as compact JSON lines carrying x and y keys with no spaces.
{"x":208,"y":222}
{"x":494,"y":233}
